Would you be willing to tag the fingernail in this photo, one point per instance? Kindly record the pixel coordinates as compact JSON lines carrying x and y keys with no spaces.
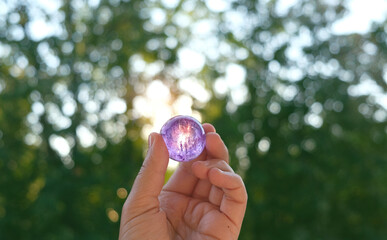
{"x":150,"y":140}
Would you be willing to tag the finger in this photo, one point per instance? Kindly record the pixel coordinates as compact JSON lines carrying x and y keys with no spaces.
{"x":150,"y":179}
{"x":215,"y":147}
{"x":208,"y":128}
{"x":204,"y":189}
{"x":201,"y":168}
{"x":234,"y":201}
{"x":183,"y":180}
{"x":215,"y":196}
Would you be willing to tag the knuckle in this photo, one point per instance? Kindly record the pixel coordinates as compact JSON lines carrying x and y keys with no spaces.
{"x":239,"y":178}
{"x":226,"y":150}
{"x":223,"y":162}
{"x":244,"y":195}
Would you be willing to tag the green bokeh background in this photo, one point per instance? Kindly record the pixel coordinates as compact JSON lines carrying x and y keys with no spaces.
{"x":310,"y":145}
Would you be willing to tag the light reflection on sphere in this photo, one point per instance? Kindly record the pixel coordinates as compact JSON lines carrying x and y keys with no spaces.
{"x":185,"y":138}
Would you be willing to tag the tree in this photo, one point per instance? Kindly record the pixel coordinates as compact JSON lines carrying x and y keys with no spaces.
{"x":289,"y":97}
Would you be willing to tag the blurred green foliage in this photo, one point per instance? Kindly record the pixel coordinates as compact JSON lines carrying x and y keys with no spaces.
{"x":307,"y":137}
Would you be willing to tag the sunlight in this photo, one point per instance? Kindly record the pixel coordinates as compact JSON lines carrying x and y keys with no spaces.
{"x":360,"y":16}
{"x":60,"y":145}
{"x":157,"y":105}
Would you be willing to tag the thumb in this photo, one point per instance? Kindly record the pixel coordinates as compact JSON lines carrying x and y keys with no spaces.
{"x":150,"y":179}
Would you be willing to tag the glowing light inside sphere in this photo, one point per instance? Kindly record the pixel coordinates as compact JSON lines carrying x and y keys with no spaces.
{"x":185,"y":138}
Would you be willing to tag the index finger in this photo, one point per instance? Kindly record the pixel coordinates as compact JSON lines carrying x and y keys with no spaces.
{"x":233,"y":203}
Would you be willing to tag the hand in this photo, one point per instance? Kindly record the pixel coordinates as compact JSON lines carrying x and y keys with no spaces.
{"x":204,"y":198}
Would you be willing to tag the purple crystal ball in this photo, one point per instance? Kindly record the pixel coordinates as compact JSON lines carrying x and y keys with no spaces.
{"x":185,"y":138}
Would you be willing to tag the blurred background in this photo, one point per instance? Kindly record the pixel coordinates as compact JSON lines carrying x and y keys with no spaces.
{"x":296,"y":88}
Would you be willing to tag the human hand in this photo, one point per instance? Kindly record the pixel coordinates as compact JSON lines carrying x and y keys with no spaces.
{"x":204,"y":198}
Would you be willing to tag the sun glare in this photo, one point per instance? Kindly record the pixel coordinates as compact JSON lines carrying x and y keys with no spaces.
{"x":157,"y":106}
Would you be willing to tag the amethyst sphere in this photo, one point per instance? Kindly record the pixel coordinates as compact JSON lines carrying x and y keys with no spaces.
{"x":185,"y":138}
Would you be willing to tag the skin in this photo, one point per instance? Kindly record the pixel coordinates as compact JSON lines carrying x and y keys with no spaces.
{"x":204,"y":198}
